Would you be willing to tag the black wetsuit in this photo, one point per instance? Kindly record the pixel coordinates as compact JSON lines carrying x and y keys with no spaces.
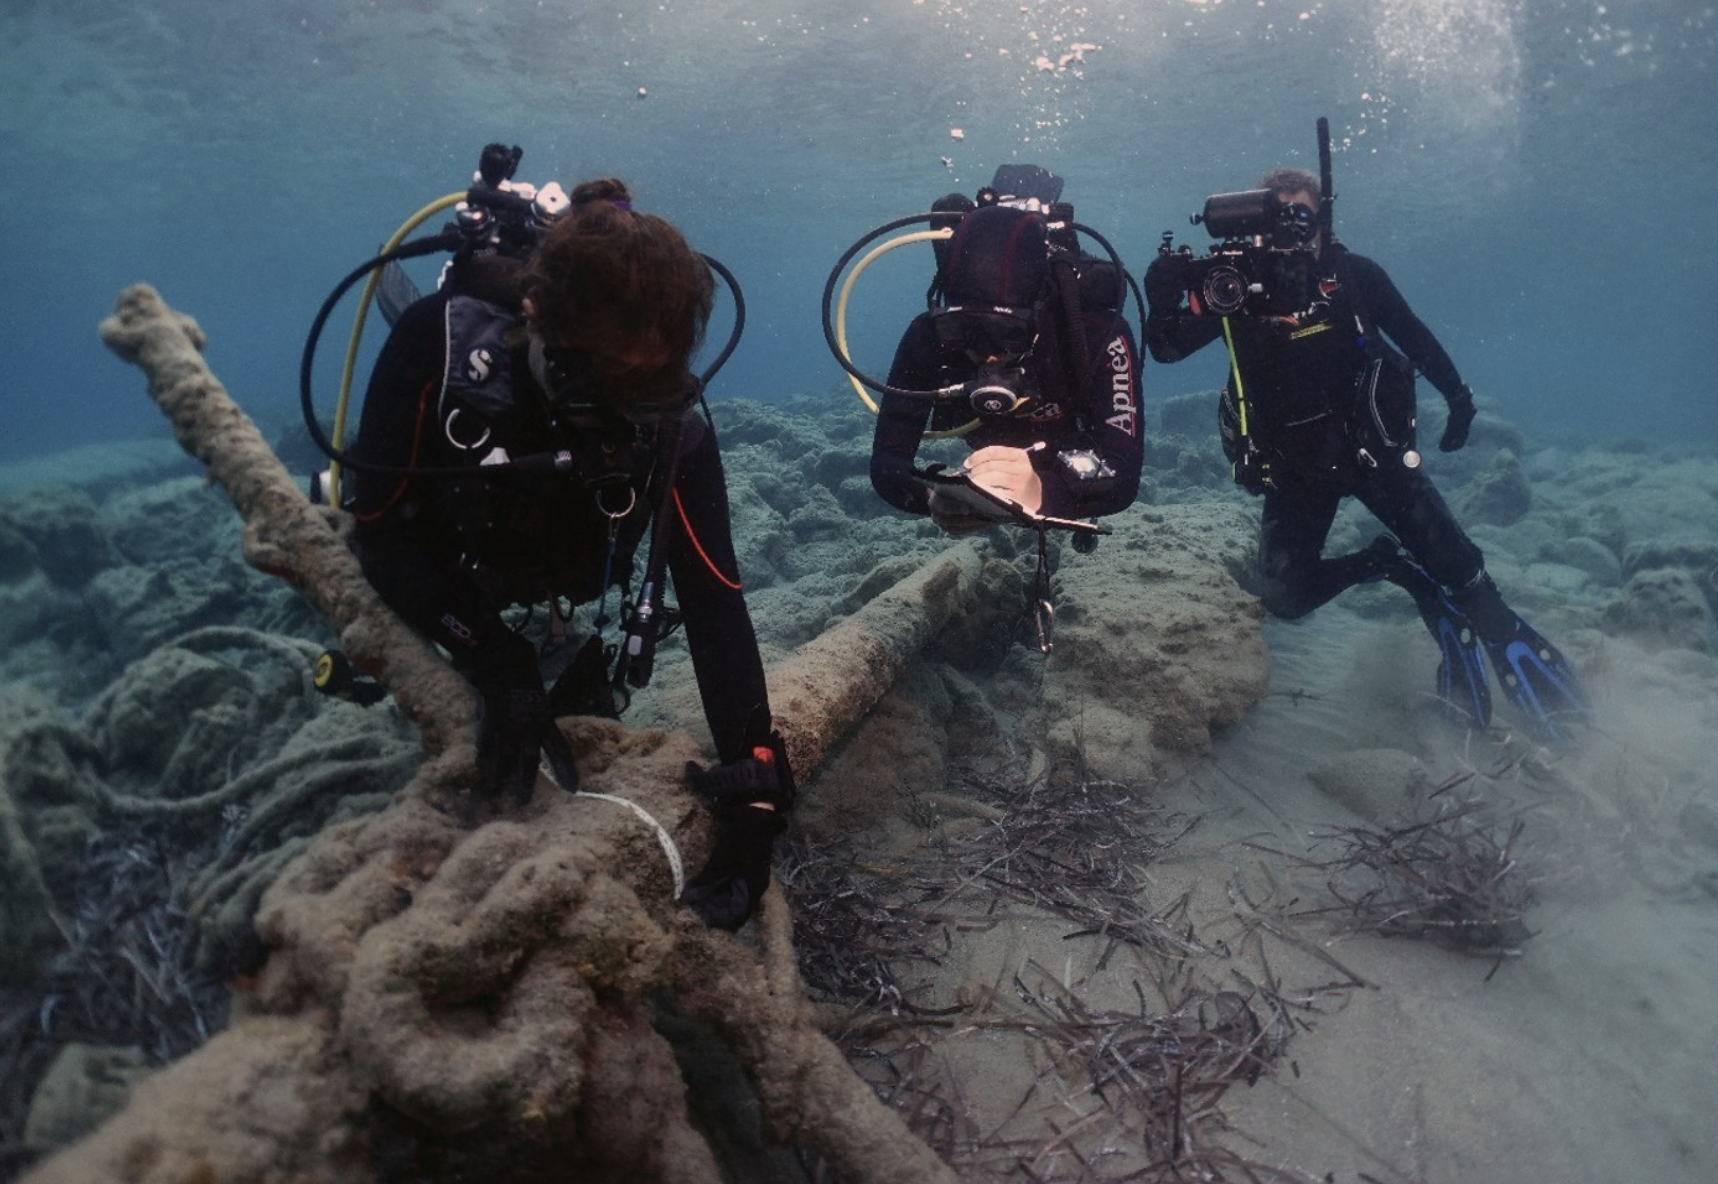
{"x":448,"y":554}
{"x":1299,"y":378}
{"x":1106,"y":420}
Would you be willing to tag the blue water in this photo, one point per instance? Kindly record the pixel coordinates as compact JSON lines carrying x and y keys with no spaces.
{"x":1541,"y":179}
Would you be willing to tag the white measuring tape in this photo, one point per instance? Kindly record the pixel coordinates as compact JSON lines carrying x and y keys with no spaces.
{"x":675,"y":864}
{"x":662,"y":836}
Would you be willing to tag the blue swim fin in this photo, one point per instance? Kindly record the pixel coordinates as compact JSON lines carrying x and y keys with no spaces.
{"x":1463,"y":685}
{"x":1538,"y":680}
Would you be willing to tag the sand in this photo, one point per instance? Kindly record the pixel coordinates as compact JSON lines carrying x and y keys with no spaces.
{"x":1235,"y":754}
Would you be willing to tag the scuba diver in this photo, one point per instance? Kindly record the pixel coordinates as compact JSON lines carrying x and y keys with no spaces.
{"x":1024,"y":351}
{"x":1024,"y":340}
{"x":1319,"y":407}
{"x":525,"y":429}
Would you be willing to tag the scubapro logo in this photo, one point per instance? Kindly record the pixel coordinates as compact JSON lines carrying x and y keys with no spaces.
{"x":1125,"y":415}
{"x":478,"y":365}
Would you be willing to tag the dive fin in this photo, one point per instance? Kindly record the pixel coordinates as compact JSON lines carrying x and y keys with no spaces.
{"x":1538,"y":680}
{"x":395,"y":291}
{"x":1463,"y":685}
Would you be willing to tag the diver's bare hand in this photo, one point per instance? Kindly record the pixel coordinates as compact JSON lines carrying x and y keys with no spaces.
{"x":1007,"y":473}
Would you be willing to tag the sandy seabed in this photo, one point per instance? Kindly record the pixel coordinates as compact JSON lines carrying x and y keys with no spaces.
{"x":1040,"y":901}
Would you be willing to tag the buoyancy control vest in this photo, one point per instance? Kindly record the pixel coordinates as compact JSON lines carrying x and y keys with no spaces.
{"x":1357,"y":409}
{"x":533,"y":529}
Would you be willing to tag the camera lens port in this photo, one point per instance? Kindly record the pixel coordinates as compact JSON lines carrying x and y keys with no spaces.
{"x":1224,"y":291}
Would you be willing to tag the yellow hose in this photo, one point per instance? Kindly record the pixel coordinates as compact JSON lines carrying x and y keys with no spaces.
{"x":917,"y":236}
{"x":339,"y":435}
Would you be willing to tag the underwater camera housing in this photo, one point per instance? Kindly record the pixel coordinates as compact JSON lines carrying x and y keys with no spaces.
{"x":1264,"y":263}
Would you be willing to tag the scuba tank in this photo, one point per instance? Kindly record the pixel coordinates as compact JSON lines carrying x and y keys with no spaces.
{"x":1014,"y":257}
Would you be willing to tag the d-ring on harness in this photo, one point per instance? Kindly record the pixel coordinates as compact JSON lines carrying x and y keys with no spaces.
{"x":614,"y":517}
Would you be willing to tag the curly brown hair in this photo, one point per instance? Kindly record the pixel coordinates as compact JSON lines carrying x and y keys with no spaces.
{"x":1289,"y":181}
{"x":607,"y":280}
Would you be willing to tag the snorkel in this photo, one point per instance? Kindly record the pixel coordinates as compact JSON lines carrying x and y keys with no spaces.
{"x":1326,"y":199}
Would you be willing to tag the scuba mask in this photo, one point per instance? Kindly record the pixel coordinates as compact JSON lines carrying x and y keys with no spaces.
{"x":983,"y":333}
{"x":578,"y":383}
{"x":1000,"y":341}
{"x":1298,"y":225}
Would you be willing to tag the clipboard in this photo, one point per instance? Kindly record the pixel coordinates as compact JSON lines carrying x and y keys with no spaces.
{"x":958,"y":487}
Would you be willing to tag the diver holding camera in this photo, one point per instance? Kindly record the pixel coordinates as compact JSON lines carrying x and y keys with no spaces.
{"x":1319,"y":406}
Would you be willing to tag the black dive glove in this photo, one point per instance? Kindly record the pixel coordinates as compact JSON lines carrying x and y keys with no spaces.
{"x":750,"y":800}
{"x":1166,"y":283}
{"x":1462,"y":412}
{"x":515,"y":724}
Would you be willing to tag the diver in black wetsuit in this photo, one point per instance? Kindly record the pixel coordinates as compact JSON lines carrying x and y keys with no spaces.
{"x":1065,"y":441}
{"x":1318,"y":407}
{"x":1021,"y":458}
{"x":556,"y":393}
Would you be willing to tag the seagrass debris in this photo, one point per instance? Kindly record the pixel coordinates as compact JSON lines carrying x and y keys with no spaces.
{"x":1156,"y":1075}
{"x":497,"y":979}
{"x":151,"y":893}
{"x":1442,"y":873}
